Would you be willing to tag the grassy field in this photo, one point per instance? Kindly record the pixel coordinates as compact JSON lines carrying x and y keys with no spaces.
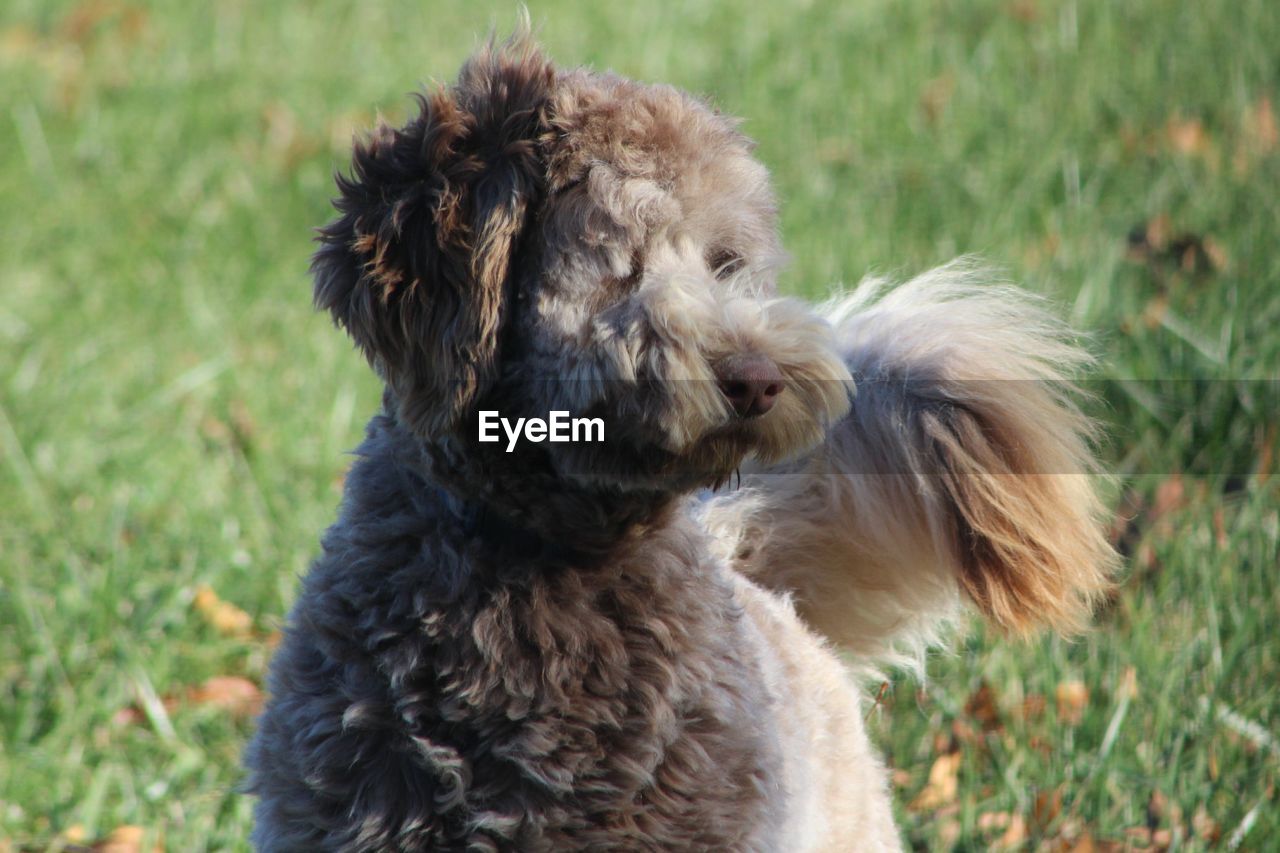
{"x":173,"y":416}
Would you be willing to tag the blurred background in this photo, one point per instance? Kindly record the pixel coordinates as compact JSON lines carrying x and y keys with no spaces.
{"x":174,"y":417}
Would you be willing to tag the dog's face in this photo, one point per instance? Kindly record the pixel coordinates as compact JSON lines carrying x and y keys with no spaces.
{"x":538,"y":241}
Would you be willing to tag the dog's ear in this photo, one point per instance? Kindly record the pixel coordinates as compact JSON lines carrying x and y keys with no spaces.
{"x":417,"y":266}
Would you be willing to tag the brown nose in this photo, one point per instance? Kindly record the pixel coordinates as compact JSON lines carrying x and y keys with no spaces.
{"x":750,"y":382}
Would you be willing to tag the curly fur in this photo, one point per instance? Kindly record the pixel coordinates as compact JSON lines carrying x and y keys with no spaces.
{"x":557,"y":648}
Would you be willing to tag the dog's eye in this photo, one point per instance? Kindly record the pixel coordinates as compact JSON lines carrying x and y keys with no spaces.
{"x":725,"y":263}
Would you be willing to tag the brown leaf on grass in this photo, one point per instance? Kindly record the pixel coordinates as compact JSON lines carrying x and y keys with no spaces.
{"x":1157,"y":808}
{"x":1153,"y":313}
{"x":936,"y":95}
{"x":1259,"y":136}
{"x":1072,"y":697}
{"x":1261,"y":128}
{"x":1205,"y":827}
{"x":1026,"y":11}
{"x":238,"y":696}
{"x":222,"y":616}
{"x":1014,"y":836}
{"x":1265,"y":443}
{"x":1170,"y":497}
{"x":83,"y":19}
{"x":1033,"y":705}
{"x":1187,"y":136}
{"x":943,"y":784}
{"x":948,"y":831}
{"x":1128,"y":683}
{"x":74,"y":834}
{"x":283,"y":138}
{"x":1157,"y":839}
{"x":1166,"y":252}
{"x":125,"y":839}
{"x":129,"y":715}
{"x":981,"y":706}
{"x":963,"y":733}
{"x":1048,"y":806}
{"x":1083,"y":844}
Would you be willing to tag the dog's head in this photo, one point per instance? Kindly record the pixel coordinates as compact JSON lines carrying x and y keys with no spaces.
{"x":537,"y":240}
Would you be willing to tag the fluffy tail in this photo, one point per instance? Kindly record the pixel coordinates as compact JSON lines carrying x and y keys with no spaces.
{"x":964,"y":470}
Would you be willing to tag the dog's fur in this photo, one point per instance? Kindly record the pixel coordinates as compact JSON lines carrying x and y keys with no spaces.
{"x":560,"y":648}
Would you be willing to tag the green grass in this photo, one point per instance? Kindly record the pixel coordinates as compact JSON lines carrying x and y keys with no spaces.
{"x":173,"y":414}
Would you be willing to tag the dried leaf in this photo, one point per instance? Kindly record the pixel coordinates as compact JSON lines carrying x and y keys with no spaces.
{"x":1159,"y":839}
{"x":936,"y":95}
{"x":1171,"y":495}
{"x":1047,"y":807}
{"x":123,"y":839}
{"x":1033,"y":706}
{"x":1154,"y":312}
{"x":982,"y":707}
{"x":948,"y":832}
{"x":224,"y":617}
{"x":1155,"y":244}
{"x":238,"y":696}
{"x":79,"y":24}
{"x":1083,"y":844}
{"x":1128,"y":683}
{"x":1187,"y":136}
{"x":1157,"y":808}
{"x":1266,"y":455}
{"x":964,"y":733}
{"x":1157,"y":233}
{"x":1072,"y":698}
{"x":284,"y":140}
{"x":1260,"y":126}
{"x":1205,"y":827}
{"x":942,"y":786}
{"x":1014,"y":837}
{"x":1259,"y":135}
{"x":1026,"y":11}
{"x":130,"y":715}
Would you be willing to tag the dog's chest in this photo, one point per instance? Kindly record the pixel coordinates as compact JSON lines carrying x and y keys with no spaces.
{"x":558,"y":708}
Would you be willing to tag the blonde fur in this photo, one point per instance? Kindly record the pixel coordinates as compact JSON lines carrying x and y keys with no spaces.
{"x":964,"y":470}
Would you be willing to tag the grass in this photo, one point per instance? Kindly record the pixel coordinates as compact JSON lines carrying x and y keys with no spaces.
{"x":172,"y":414}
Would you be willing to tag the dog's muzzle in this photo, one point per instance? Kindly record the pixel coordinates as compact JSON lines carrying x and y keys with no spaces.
{"x":751,"y":382}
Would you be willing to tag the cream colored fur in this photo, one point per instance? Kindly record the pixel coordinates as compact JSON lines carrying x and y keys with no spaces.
{"x":962,"y":474}
{"x":964,"y":471}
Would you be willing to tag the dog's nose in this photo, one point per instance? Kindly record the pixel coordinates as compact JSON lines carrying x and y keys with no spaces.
{"x":751,"y":383}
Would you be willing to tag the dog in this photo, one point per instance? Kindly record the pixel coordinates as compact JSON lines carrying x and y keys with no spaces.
{"x":631,"y":643}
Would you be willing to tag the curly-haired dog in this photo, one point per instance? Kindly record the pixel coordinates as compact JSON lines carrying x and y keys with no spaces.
{"x":548,"y":646}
